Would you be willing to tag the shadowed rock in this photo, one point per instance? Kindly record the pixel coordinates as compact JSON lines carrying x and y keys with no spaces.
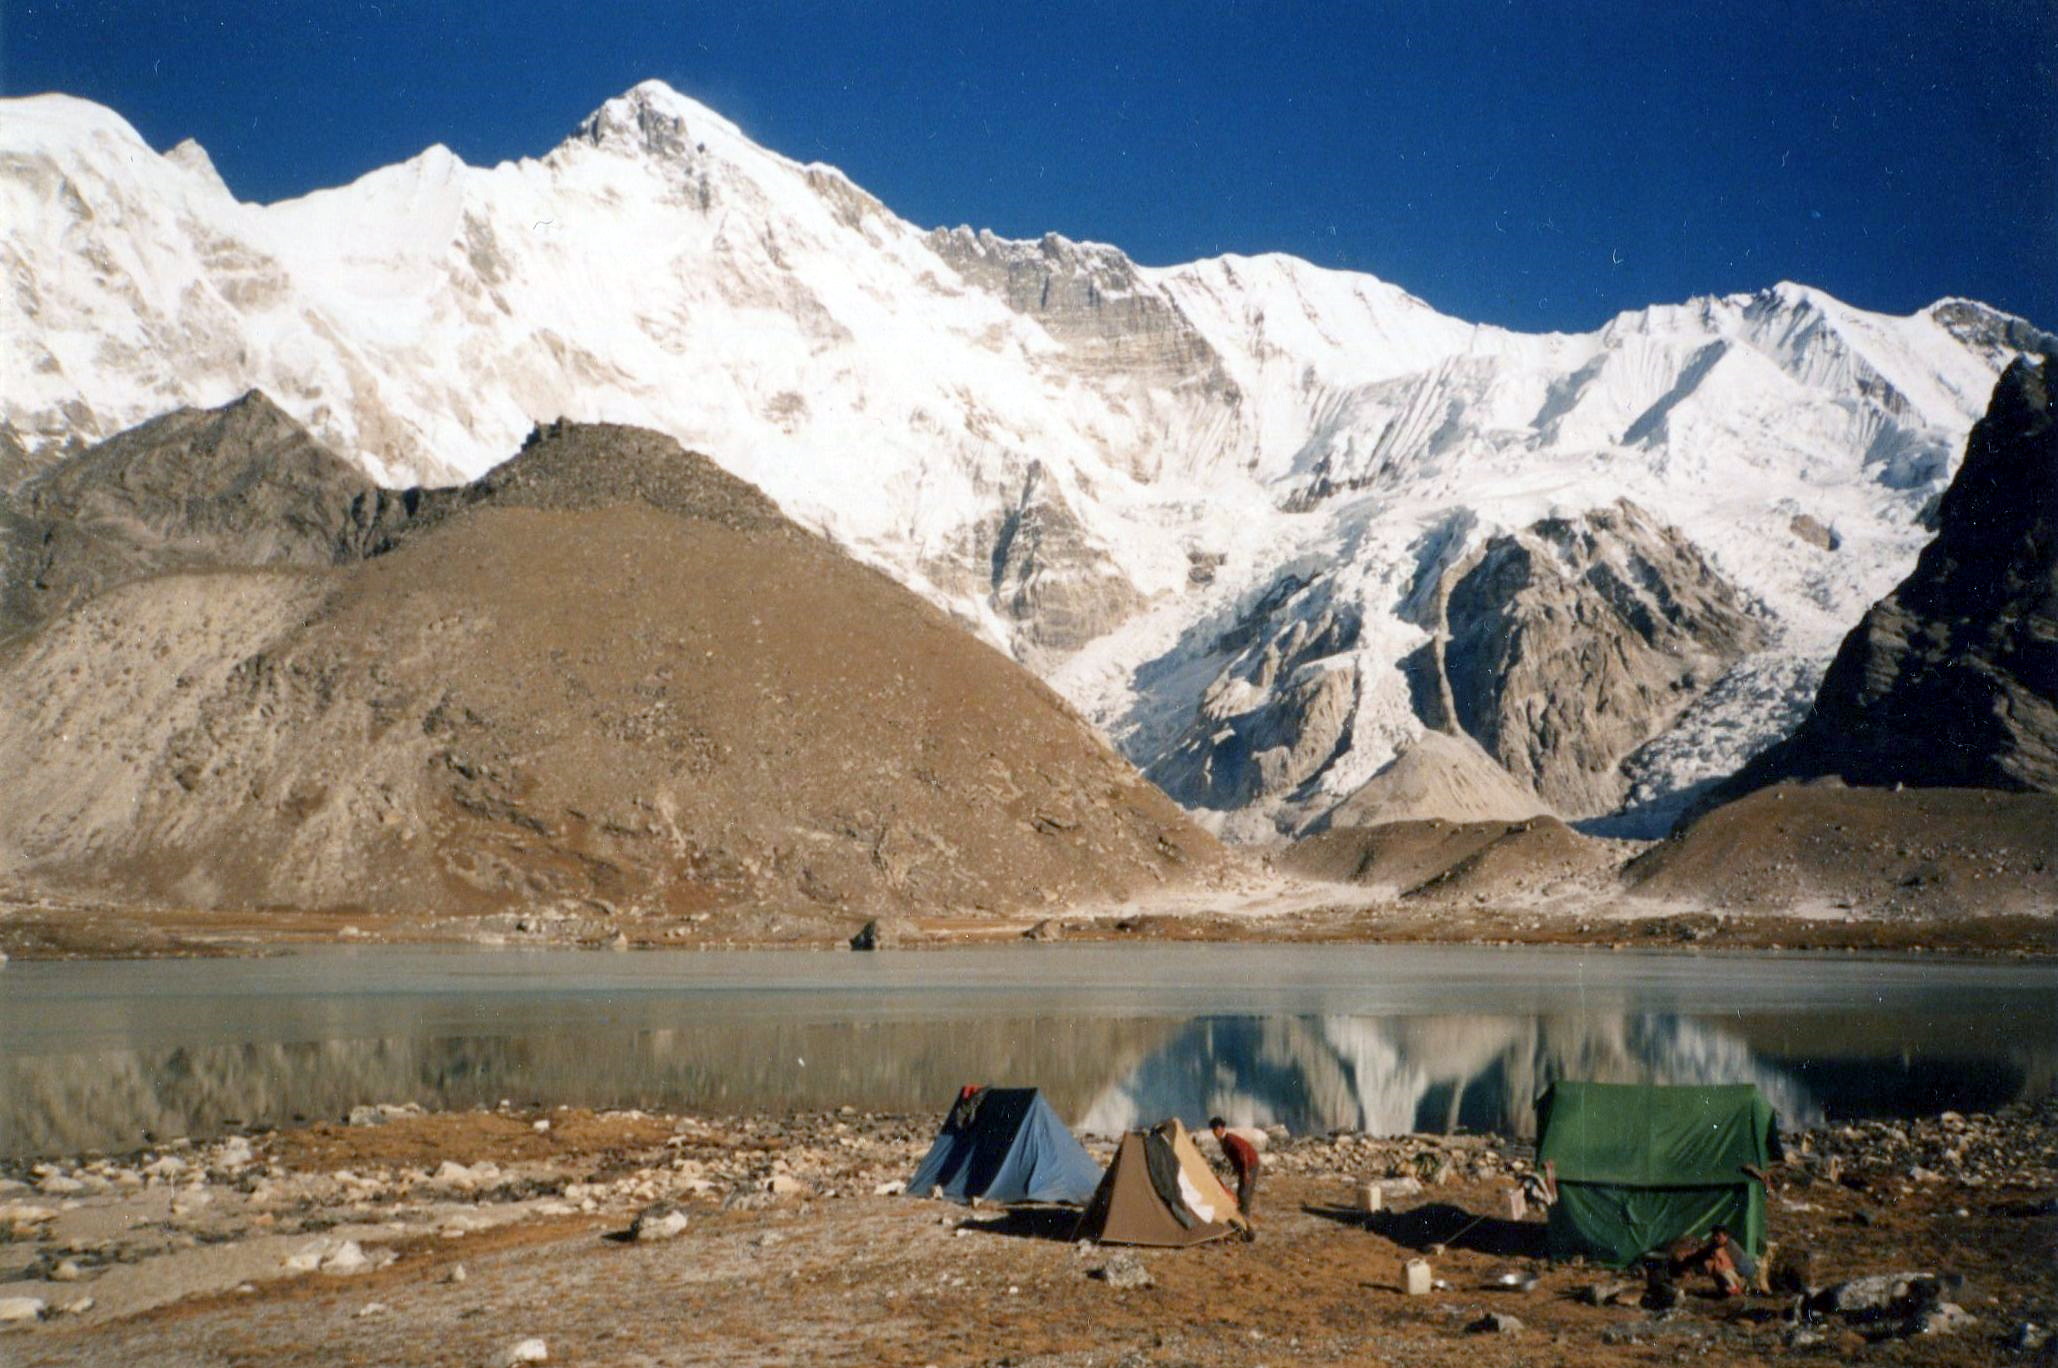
{"x":1952,"y":679}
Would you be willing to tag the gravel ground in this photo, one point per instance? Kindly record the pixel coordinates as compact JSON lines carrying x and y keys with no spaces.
{"x":451,"y":1238}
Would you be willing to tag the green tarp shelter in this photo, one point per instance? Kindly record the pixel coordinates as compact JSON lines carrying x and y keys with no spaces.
{"x":1640,"y":1166}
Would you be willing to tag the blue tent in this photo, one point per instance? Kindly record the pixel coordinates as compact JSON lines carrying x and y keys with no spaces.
{"x":1005,"y":1145}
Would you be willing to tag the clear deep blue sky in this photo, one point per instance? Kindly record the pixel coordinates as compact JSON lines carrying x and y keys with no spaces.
{"x":1538,"y":165}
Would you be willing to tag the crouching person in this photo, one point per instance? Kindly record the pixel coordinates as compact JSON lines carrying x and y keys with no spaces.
{"x":1243,"y":1162}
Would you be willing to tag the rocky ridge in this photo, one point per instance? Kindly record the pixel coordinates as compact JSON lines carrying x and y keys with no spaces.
{"x":1952,"y":679}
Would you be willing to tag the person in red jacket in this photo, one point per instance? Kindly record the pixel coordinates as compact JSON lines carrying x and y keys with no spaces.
{"x":1243,"y":1159}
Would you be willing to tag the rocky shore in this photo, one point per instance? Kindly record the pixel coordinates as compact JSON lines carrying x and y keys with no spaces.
{"x":511,"y":1234}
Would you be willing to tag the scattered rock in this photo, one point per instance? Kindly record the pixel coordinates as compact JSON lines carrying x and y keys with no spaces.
{"x":1495,"y":1323}
{"x":1606,"y":1294}
{"x":784,"y":1185}
{"x":663,"y":1221}
{"x":1873,"y":1294}
{"x":347,"y":1257}
{"x":67,"y":1270}
{"x":1124,"y":1271}
{"x":1945,"y":1318}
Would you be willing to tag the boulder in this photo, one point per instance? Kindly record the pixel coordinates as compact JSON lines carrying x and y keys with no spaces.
{"x":1875,"y":1294}
{"x":878,"y":934}
{"x":662,"y":1221}
{"x":1125,"y":1271}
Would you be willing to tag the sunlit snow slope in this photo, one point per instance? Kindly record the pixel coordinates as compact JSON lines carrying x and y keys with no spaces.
{"x":1217,"y":505}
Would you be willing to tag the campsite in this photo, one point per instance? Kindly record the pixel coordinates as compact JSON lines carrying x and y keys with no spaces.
{"x":452,"y":1237}
{"x":854,"y":1197}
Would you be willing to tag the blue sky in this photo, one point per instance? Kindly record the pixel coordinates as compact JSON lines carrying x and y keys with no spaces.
{"x":1541,"y":166}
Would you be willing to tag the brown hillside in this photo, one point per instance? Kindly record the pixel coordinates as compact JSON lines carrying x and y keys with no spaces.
{"x":606,"y":677}
{"x":1877,"y":851}
{"x":1456,"y":860}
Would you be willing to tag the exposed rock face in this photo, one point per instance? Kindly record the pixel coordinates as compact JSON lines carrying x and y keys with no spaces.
{"x":1058,"y":586}
{"x":608,"y":676}
{"x":1999,"y":337}
{"x":242,"y":485}
{"x":1279,"y":712}
{"x":1952,"y":680}
{"x":1088,"y":296}
{"x":1811,"y":531}
{"x":1564,"y":647}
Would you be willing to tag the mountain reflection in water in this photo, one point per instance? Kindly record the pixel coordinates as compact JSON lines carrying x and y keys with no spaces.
{"x":1391,"y":1076}
{"x":1381,"y":1039}
{"x":1386,"y":1075}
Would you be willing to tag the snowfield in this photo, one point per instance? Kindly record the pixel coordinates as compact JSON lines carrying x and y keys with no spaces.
{"x":1137,"y":480}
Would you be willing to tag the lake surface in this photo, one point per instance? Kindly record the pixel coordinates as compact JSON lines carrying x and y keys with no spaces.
{"x":1380,"y":1038}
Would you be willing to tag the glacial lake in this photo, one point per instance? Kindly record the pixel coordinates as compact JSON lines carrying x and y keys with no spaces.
{"x":1383,"y":1038}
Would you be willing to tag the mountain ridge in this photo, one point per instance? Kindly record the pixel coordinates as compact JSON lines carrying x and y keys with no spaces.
{"x":1181,"y":440}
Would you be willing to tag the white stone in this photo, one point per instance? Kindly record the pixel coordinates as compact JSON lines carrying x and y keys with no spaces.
{"x":15,"y":1309}
{"x":659,"y":1224}
{"x":530,"y":1350}
{"x":25,"y":1214}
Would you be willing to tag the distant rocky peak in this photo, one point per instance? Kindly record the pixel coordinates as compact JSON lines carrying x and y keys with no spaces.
{"x":1987,"y":331}
{"x":654,"y":119}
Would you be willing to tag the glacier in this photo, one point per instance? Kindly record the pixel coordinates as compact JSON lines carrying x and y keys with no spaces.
{"x":1208,"y":502}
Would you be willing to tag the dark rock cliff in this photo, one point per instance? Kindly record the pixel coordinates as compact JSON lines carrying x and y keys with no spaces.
{"x":1952,"y":679}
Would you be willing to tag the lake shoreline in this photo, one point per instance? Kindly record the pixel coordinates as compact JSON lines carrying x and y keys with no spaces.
{"x":72,"y":931}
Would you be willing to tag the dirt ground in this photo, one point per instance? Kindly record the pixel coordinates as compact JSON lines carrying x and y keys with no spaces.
{"x":834,"y":1274}
{"x":1317,"y":914}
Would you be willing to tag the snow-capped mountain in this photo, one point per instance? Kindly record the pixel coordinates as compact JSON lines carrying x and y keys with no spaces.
{"x":1263,"y":522}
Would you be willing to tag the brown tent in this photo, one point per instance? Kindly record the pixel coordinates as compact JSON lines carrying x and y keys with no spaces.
{"x":1159,"y":1191}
